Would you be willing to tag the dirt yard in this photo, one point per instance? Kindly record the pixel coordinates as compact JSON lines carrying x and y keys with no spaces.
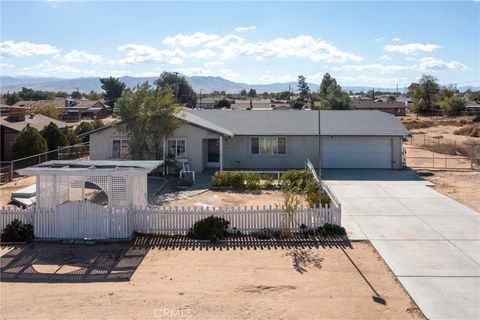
{"x":461,"y":186}
{"x":9,"y":187}
{"x":206,"y":282}
{"x":213,"y":198}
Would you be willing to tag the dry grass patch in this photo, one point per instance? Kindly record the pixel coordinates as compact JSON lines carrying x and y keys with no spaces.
{"x":472,"y":130}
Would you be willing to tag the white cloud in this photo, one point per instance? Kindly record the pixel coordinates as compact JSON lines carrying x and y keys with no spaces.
{"x":76,"y":56}
{"x":268,"y":77}
{"x":244,"y":29}
{"x":25,"y":49}
{"x":137,"y":53}
{"x":213,"y":63}
{"x":6,"y":65}
{"x":411,"y":48}
{"x":230,"y":74}
{"x":202,"y":54}
{"x":195,"y":71}
{"x":375,"y":68}
{"x":188,"y":41}
{"x":396,"y":39}
{"x":46,"y":68}
{"x":385,"y":58}
{"x":379,"y":39}
{"x":301,"y":47}
{"x":373,"y":81}
{"x":432,"y":64}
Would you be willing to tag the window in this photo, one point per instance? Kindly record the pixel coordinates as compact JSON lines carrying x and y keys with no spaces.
{"x":120,"y":149}
{"x":176,"y":149}
{"x":268,"y":145}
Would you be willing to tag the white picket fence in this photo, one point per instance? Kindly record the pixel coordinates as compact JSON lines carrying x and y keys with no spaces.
{"x":94,"y":222}
{"x":178,"y":220}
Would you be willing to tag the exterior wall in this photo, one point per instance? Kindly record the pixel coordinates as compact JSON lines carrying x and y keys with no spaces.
{"x":101,"y":144}
{"x":397,"y":153}
{"x":237,"y":154}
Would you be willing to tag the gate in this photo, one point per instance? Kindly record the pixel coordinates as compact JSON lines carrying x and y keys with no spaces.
{"x":81,"y":220}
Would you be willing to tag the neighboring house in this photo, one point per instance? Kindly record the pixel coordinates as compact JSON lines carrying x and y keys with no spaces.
{"x":252,"y":104}
{"x":4,"y":109}
{"x":395,"y":108}
{"x":473,"y":108}
{"x":12,"y":124}
{"x":228,"y":139}
{"x":72,"y":110}
{"x":207,"y":103}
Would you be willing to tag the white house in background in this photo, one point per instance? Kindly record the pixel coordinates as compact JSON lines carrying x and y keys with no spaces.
{"x":207,"y":103}
{"x":252,"y":104}
{"x":227,"y":139}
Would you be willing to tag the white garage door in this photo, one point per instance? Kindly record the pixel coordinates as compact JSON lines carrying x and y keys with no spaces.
{"x":357,"y":152}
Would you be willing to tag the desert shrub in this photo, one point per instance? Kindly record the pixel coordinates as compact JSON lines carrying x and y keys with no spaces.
{"x":210,"y":228}
{"x":329,"y":229}
{"x":300,"y":178}
{"x":252,"y":180}
{"x":17,"y":231}
{"x":236,"y":180}
{"x":265,"y":234}
{"x":268,"y":180}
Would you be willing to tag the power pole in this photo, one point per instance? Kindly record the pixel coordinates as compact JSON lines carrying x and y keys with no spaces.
{"x":176,"y":86}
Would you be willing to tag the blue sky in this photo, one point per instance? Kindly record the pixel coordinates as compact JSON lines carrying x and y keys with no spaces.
{"x":359,"y":43}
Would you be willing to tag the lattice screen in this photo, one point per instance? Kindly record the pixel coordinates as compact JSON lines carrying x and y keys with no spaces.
{"x":119,"y":192}
{"x":45,"y":198}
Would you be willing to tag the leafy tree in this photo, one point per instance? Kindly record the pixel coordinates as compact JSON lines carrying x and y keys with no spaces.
{"x":327,"y":81}
{"x":71,"y":136}
{"x":35,"y":95}
{"x":243,"y":93}
{"x":284,"y":95}
{"x":332,"y":96}
{"x":303,"y":88}
{"x":95,"y":96}
{"x":84,"y":126}
{"x":252,"y":93}
{"x":28,"y":142}
{"x":453,"y":106}
{"x":391,"y":98}
{"x":61,"y":94}
{"x":11,"y":98}
{"x":76,"y":95}
{"x":48,"y":109}
{"x":447,"y":92}
{"x":424,"y":93}
{"x":113,"y":88}
{"x":298,"y":104}
{"x":223,"y":103}
{"x":148,"y":115}
{"x":183,"y":92}
{"x":54,"y":136}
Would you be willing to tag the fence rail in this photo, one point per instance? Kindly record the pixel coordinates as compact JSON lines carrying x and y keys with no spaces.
{"x":8,"y":168}
{"x":121,"y":222}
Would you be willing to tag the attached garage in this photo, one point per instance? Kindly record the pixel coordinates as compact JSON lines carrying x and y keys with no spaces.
{"x":356,"y":152}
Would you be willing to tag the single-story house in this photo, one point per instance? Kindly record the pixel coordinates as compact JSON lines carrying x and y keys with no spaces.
{"x":207,"y":103}
{"x":71,"y":110}
{"x":395,"y":108}
{"x":227,"y":139}
{"x":252,"y":104}
{"x":15,"y":122}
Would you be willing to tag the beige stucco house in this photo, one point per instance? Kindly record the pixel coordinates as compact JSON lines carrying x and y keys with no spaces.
{"x":227,"y":139}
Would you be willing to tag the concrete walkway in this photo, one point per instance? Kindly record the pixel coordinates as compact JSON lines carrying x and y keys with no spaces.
{"x":429,"y":241}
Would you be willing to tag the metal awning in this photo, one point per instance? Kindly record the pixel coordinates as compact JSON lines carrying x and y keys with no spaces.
{"x":91,"y":167}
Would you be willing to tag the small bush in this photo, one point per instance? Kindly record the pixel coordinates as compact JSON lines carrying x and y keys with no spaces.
{"x":264,"y":234}
{"x":211,"y":228}
{"x":329,"y":229}
{"x":252,"y":180}
{"x":236,"y":180}
{"x":299,"y":178}
{"x":268,"y":181}
{"x":470,"y":131}
{"x":16,"y":231}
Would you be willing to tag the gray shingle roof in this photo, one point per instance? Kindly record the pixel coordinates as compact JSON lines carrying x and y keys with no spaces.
{"x":302,"y":122}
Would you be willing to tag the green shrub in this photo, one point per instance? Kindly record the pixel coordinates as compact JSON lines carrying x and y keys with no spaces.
{"x":16,"y":231}
{"x":252,"y":180}
{"x":329,"y":229}
{"x":211,"y":228}
{"x":236,"y":180}
{"x":299,"y":178}
{"x":268,"y":180}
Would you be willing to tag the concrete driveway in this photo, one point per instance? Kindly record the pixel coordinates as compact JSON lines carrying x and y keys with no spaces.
{"x":429,"y":241}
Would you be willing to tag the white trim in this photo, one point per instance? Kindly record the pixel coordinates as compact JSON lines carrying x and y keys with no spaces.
{"x":176,"y":142}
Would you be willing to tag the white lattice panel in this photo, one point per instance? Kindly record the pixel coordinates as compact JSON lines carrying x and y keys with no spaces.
{"x":119,"y":192}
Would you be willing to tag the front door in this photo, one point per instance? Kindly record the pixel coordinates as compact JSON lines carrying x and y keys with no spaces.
{"x":213,"y":152}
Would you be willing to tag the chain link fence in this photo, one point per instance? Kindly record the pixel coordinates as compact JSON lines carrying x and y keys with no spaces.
{"x":423,"y":151}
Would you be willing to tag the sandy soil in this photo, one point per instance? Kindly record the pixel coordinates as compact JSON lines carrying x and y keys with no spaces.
{"x":9,"y":187}
{"x":212,"y":198}
{"x":461,"y":186}
{"x":224,"y":283}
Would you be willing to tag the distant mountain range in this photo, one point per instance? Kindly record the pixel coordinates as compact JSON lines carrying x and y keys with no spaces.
{"x":199,"y":83}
